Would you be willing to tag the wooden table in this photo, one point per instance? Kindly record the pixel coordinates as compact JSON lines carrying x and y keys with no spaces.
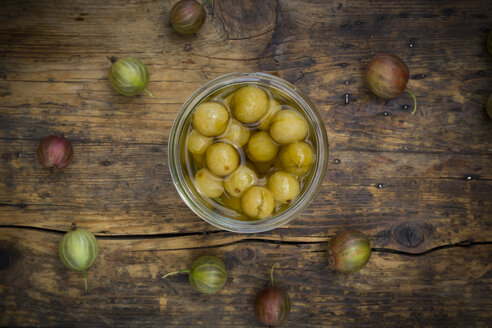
{"x":419,"y":186}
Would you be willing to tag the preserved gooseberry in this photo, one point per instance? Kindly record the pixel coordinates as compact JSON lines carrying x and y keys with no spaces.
{"x":237,"y":133}
{"x":231,"y":202}
{"x":228,"y":99}
{"x":288,"y":126}
{"x":273,"y":107}
{"x":249,"y":104}
{"x":261,"y":147}
{"x":297,"y":158}
{"x":198,"y":143}
{"x":257,"y":202}
{"x":199,"y":161}
{"x":222,"y":158}
{"x":241,"y":179}
{"x":284,"y":186}
{"x":210,"y":119}
{"x":208,"y":184}
{"x":263,"y":168}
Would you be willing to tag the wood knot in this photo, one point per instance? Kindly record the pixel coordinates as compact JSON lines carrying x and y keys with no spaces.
{"x":408,"y":234}
{"x":5,"y":259}
{"x":256,"y":18}
{"x":247,"y":254}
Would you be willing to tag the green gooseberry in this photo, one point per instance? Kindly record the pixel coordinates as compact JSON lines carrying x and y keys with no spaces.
{"x":78,"y":250}
{"x":207,"y":274}
{"x":129,"y":76}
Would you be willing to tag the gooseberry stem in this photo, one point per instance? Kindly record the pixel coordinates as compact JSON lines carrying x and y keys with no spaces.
{"x":148,"y":92}
{"x":414,"y":101}
{"x":85,"y":279}
{"x":220,"y":201}
{"x":176,"y":272}
{"x":271,"y":272}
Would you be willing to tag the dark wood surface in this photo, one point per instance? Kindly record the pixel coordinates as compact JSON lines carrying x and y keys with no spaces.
{"x":419,"y":186}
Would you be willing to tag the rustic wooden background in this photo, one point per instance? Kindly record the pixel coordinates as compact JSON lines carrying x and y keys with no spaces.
{"x":420,"y":185}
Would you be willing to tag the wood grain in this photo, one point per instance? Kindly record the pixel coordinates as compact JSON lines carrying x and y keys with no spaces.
{"x":419,"y":186}
{"x":451,"y":286}
{"x":124,"y":189}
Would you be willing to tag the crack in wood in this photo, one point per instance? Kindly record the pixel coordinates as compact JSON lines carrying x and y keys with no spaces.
{"x":461,"y":244}
{"x":464,"y":243}
{"x":251,"y":36}
{"x":116,"y":237}
{"x":21,"y":205}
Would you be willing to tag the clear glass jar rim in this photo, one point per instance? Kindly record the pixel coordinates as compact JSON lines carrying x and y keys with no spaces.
{"x":185,"y":191}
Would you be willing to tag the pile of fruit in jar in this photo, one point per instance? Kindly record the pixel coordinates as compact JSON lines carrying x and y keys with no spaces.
{"x":249,"y":152}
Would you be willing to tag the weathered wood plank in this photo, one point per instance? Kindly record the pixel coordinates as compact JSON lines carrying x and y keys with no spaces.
{"x":326,"y":66}
{"x":403,"y":180}
{"x":127,"y":190}
{"x":447,"y":287}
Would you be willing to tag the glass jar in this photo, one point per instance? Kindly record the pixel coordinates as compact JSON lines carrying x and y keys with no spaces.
{"x":177,"y":148}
